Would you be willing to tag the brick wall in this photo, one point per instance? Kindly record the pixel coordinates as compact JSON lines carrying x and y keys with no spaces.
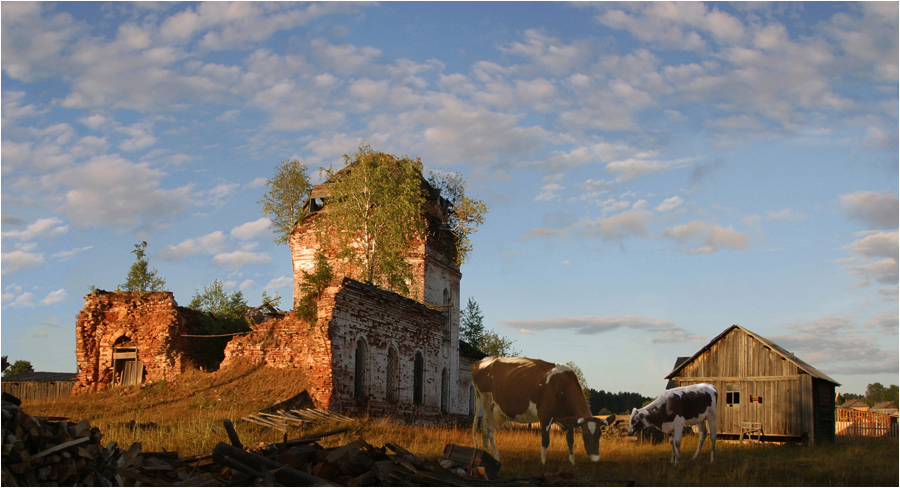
{"x":152,"y":323}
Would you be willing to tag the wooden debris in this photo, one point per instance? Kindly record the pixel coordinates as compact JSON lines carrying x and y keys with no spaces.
{"x":282,"y":419}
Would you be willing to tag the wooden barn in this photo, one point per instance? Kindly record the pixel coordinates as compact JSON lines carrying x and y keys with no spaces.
{"x":764,"y":390}
{"x":39,"y":386}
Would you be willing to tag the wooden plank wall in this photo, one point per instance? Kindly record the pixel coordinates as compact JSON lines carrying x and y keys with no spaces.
{"x":787,"y":396}
{"x":37,"y":391}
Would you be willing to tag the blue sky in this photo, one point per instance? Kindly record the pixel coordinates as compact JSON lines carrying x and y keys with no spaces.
{"x":656,"y":172}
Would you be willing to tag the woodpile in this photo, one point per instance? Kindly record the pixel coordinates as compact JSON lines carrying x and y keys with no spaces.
{"x":47,"y":451}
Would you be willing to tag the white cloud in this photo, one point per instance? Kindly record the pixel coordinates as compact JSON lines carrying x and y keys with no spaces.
{"x":64,"y":255}
{"x":43,"y":228}
{"x":878,"y":210}
{"x":280,"y":282}
{"x":670,"y":204}
{"x":219,"y":194}
{"x":237,"y":259}
{"x":619,"y":226}
{"x":713,"y":237}
{"x":20,"y":259}
{"x":638,"y":167}
{"x":878,"y":245}
{"x":211,"y":243}
{"x":54,"y":297}
{"x":109,"y":191}
{"x":251,"y":230}
{"x":590,"y":325}
{"x":836,"y":345}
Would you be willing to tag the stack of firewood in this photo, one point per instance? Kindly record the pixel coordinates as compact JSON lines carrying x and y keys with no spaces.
{"x":47,"y":451}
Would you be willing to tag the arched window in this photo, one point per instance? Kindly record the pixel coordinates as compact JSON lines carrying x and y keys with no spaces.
{"x":445,"y":391}
{"x":419,"y":379}
{"x":360,"y":371}
{"x":447,"y":314}
{"x":391,"y":386}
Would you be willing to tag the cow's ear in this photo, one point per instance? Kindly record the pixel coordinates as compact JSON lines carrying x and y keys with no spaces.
{"x":610,"y":419}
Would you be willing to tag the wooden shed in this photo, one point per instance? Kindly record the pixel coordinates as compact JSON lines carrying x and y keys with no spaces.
{"x":36,"y":387}
{"x":763,"y":389}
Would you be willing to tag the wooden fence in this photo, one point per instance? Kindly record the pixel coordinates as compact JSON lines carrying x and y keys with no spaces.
{"x":857,"y":423}
{"x":39,"y":387}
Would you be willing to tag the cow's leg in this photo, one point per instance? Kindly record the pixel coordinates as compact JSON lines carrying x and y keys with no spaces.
{"x":475,"y":424}
{"x":570,"y":440}
{"x":496,"y":421}
{"x":676,"y":440}
{"x":545,"y":441}
{"x":712,"y":437}
{"x":701,"y":427}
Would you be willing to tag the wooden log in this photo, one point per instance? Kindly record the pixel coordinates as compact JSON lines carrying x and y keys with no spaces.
{"x":232,"y":434}
{"x":283,"y":474}
{"x":60,"y":447}
{"x":136,"y":476}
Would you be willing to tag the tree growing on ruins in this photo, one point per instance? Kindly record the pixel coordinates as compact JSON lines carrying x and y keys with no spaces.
{"x":140,"y":277}
{"x":471,"y":323}
{"x":465,"y":214}
{"x":311,"y":287}
{"x":376,"y":215}
{"x":224,"y":315}
{"x":283,"y":202}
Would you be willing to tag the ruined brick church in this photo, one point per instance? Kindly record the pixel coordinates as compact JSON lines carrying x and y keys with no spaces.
{"x":370,"y":350}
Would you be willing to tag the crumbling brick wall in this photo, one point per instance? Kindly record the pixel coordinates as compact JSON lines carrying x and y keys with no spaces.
{"x":327,"y":351}
{"x":150,"y":320}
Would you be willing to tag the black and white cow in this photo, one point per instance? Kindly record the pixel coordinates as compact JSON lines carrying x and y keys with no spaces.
{"x":671,"y":411}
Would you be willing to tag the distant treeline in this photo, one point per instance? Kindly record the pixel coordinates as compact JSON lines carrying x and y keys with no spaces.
{"x":605,"y":403}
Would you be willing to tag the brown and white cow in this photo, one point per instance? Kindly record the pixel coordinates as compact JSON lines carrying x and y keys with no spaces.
{"x":671,"y":411}
{"x":530,"y":390}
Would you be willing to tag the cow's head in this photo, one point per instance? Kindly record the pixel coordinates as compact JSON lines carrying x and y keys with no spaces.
{"x":638,"y":421}
{"x":590,"y":432}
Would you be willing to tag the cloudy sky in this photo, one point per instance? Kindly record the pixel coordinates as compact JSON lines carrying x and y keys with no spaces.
{"x":655,"y":172}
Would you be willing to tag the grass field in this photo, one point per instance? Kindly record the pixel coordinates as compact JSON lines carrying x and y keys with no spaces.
{"x":188,"y":414}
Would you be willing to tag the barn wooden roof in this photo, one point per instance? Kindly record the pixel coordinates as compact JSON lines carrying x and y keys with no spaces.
{"x":41,"y":376}
{"x":803,"y":365}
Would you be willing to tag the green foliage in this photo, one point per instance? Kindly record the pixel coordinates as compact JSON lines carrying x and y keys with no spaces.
{"x":216,"y":302}
{"x":223,"y":315}
{"x":140,"y":277}
{"x":618,"y":403}
{"x":272,"y":301}
{"x":582,"y":381}
{"x":311,"y":287}
{"x":375,"y":215}
{"x":877,"y":393}
{"x":5,"y":360}
{"x":471,"y":324}
{"x":283,"y":202}
{"x":465,"y":214}
{"x":20,"y":366}
{"x":493,"y":344}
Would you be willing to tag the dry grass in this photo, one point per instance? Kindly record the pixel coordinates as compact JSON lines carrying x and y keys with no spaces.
{"x":189,"y":413}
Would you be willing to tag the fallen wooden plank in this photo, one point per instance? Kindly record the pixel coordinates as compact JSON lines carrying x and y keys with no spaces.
{"x":60,"y":447}
{"x":225,"y":454}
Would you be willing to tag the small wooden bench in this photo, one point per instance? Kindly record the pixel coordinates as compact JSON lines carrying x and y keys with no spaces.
{"x":751,"y":429}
